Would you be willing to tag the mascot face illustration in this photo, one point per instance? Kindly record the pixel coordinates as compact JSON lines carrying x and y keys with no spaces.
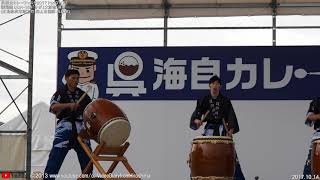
{"x":85,"y":64}
{"x":86,"y":73}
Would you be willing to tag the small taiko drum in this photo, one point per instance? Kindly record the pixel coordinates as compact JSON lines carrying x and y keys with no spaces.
{"x":315,"y":158}
{"x":212,"y":157}
{"x":106,"y":123}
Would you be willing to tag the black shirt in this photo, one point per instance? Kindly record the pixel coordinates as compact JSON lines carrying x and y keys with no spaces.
{"x":315,"y":109}
{"x":219,"y":108}
{"x":63,"y":95}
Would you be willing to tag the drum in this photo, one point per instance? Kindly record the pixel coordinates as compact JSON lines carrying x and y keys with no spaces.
{"x":212,"y":157}
{"x":315,"y":158}
{"x":106,"y":123}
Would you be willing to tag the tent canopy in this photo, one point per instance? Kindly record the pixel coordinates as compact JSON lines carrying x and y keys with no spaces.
{"x":137,"y":9}
{"x":43,"y":124}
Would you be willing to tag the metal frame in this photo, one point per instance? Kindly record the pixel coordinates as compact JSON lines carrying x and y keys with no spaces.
{"x":22,"y":75}
{"x":195,"y":5}
{"x":274,"y":5}
{"x":274,"y":22}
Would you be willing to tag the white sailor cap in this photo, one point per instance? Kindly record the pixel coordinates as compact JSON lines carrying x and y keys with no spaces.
{"x":82,"y":58}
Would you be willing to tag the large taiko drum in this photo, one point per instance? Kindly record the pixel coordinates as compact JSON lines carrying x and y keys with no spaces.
{"x":212,"y":157}
{"x":106,"y":123}
{"x":315,"y":158}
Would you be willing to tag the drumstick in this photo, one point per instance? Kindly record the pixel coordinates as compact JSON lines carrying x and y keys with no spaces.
{"x":225,"y":126}
{"x":84,"y":95}
{"x":204,"y":116}
{"x":80,"y":99}
{"x":223,"y":121}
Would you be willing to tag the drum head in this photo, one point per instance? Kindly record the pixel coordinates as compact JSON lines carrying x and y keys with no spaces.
{"x":213,"y":139}
{"x":115,"y":132}
{"x":316,"y":141}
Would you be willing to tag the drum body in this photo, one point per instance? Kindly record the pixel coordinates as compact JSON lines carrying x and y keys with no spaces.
{"x":212,"y":157}
{"x":106,"y":123}
{"x":315,"y":158}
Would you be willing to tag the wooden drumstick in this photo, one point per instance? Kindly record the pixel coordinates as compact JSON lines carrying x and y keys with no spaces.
{"x":223,"y":121}
{"x":80,"y":99}
{"x":84,"y":95}
{"x":225,"y":125}
{"x":204,"y":116}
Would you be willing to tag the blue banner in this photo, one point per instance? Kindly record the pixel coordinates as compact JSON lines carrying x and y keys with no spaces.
{"x":182,"y":73}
